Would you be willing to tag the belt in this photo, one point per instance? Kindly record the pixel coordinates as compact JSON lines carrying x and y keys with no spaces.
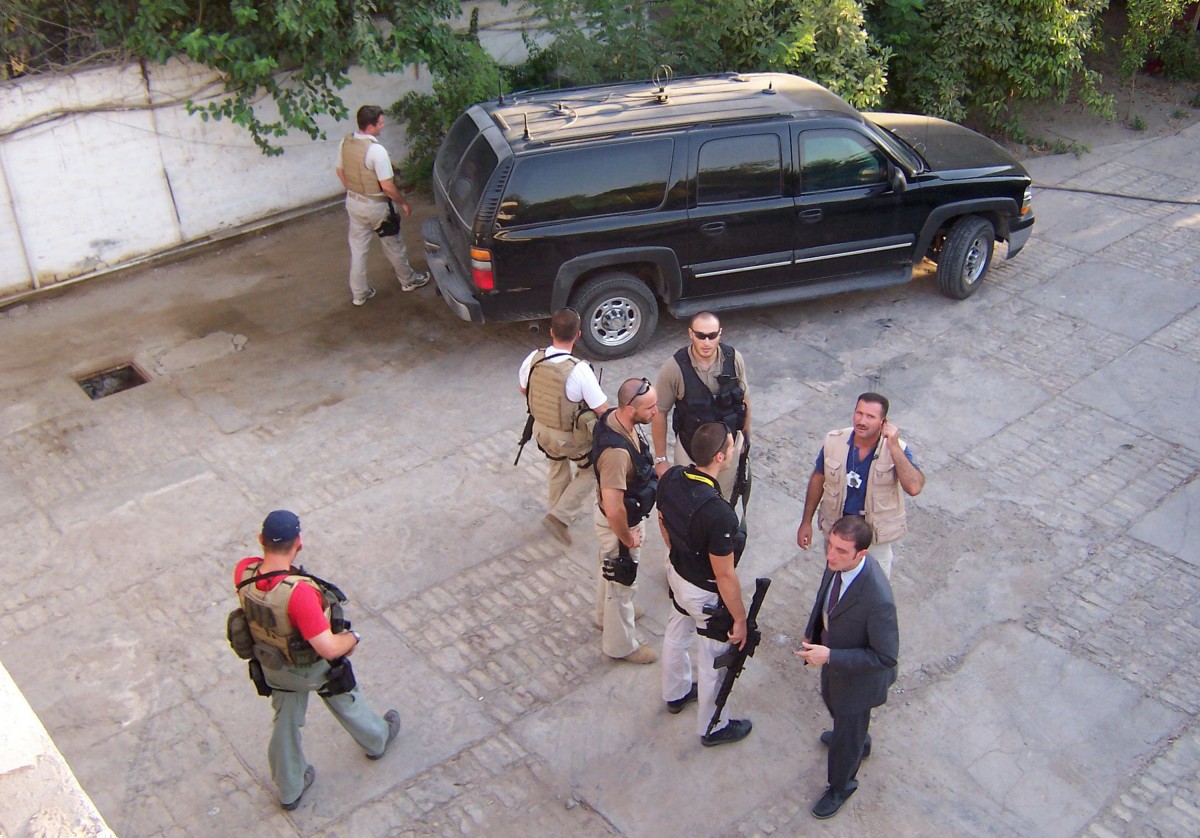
{"x":369,"y":198}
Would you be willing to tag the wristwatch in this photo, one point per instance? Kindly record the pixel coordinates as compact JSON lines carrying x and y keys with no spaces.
{"x":356,"y":637}
{"x":658,"y":460}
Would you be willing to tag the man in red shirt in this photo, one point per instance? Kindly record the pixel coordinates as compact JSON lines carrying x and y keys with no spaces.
{"x":288,"y":614}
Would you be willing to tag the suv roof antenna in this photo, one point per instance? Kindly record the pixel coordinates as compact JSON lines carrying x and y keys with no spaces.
{"x":500,"y":85}
{"x":662,"y":77}
{"x":770,"y":88}
{"x":525,"y":136}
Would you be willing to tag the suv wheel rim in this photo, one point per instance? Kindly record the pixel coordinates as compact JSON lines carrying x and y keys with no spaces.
{"x":975,"y":261}
{"x":615,"y":321}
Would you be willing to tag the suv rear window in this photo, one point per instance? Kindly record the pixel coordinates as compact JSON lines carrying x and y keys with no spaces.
{"x":583,"y":182}
{"x":472,"y":177}
{"x":456,"y":142}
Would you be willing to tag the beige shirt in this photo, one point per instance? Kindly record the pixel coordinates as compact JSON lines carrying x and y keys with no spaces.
{"x":670,"y":378}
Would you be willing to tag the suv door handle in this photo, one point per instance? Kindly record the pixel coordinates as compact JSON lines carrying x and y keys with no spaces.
{"x":811,"y":216}
{"x":713,"y":228}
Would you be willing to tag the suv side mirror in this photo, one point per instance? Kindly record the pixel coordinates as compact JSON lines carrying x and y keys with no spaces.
{"x":897,"y":180}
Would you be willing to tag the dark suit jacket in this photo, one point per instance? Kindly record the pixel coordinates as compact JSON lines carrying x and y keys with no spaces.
{"x":863,"y":640}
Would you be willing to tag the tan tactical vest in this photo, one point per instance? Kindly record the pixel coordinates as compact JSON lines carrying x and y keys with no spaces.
{"x":267,"y":616}
{"x":547,"y":389}
{"x":884,"y":506}
{"x":360,"y":177}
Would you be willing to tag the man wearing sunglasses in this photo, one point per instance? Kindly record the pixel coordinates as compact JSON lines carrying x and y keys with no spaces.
{"x":703,"y":382}
{"x":627,"y":486}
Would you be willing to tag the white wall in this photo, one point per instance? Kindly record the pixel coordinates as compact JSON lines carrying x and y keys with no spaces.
{"x":106,"y":166}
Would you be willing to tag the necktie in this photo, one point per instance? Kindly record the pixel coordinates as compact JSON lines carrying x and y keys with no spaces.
{"x":835,"y":592}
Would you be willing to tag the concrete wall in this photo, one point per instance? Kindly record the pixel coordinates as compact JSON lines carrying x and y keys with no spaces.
{"x":39,"y":794}
{"x":105,"y":166}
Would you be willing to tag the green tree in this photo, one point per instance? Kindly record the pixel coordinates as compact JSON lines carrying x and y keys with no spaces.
{"x":297,"y":52}
{"x":955,"y":58}
{"x":609,"y":40}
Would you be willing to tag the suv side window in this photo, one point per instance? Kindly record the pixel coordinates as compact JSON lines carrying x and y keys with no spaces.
{"x":583,"y":182}
{"x":839,"y":159}
{"x":739,"y":169}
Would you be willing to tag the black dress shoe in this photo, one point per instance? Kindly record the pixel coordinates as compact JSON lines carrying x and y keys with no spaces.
{"x":735,"y":731}
{"x":831,"y":801}
{"x":827,"y":737}
{"x":675,"y":705}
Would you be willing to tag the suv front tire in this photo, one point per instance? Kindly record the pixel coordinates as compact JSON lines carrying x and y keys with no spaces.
{"x":965,"y":256}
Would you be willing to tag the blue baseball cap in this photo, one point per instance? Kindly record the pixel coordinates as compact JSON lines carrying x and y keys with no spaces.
{"x":281,"y":525}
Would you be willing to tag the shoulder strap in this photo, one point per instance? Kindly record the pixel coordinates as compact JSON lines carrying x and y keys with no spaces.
{"x":334,"y":589}
{"x":529,"y":379}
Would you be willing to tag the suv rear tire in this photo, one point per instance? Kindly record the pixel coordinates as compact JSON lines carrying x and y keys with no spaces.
{"x":965,"y":256}
{"x":617,"y":313}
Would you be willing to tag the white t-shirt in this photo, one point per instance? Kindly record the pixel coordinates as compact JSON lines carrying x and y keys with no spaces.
{"x":582,"y":385}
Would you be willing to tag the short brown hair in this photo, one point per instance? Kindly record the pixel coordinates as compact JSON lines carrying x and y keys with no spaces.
{"x":564,"y":324}
{"x":698,"y":315}
{"x":855,"y":528}
{"x":875,"y":398}
{"x":708,"y":440}
{"x":368,"y":115}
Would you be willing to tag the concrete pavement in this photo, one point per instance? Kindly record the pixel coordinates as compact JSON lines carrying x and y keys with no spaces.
{"x":1049,"y":588}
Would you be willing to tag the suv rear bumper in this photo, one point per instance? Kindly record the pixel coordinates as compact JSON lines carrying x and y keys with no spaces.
{"x":453,"y":287}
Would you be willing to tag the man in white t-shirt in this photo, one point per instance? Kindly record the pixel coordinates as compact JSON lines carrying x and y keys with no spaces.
{"x":564,"y":399}
{"x":365,"y":169}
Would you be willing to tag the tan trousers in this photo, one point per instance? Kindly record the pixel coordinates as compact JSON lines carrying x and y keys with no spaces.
{"x":571,"y":487}
{"x":614,"y":603}
{"x":364,"y":218}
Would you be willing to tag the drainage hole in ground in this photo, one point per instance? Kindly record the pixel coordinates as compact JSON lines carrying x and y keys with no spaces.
{"x":106,"y":382}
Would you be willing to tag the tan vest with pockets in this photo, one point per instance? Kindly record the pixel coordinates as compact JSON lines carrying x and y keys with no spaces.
{"x":359,"y":176}
{"x":548,"y":400}
{"x":267,"y":616}
{"x":884,"y":505}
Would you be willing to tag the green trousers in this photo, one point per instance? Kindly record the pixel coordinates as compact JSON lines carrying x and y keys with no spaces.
{"x":285,"y":754}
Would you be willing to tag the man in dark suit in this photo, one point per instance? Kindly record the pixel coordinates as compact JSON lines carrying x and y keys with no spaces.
{"x":853,"y":636}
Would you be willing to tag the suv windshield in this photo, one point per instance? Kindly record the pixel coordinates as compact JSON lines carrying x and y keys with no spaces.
{"x":907,"y":154}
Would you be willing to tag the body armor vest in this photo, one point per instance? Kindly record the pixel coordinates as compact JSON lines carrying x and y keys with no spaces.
{"x":640,"y":491}
{"x":682,"y":494}
{"x":360,"y":177}
{"x":267,"y":616}
{"x":884,"y":506}
{"x":700,"y":405}
{"x":547,"y":392}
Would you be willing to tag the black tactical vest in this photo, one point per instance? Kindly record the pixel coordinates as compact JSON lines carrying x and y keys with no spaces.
{"x":681,"y":494}
{"x":640,"y":491}
{"x":700,"y":406}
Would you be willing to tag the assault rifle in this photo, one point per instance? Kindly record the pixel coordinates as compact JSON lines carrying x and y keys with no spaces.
{"x":743,"y":482}
{"x":526,"y":435}
{"x":734,"y":661}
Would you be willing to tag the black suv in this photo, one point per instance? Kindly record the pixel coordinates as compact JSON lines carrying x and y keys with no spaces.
{"x":712,"y":192}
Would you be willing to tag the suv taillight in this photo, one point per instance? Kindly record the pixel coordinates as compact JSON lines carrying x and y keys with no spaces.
{"x":481,"y":269}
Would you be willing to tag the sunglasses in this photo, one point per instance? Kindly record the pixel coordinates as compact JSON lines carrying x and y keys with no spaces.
{"x":707,"y":335}
{"x":643,"y":390}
